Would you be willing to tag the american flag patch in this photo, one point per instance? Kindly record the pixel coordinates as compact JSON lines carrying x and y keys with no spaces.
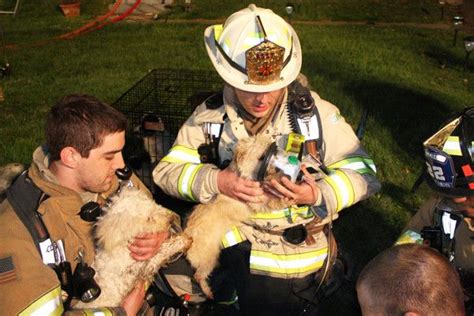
{"x":7,"y":270}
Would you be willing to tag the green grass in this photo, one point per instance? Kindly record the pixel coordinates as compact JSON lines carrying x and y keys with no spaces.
{"x":422,"y":11}
{"x":408,"y":78}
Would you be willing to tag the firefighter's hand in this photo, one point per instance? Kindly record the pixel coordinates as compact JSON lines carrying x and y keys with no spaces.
{"x":304,"y":192}
{"x":245,"y":190}
{"x":147,"y":245}
{"x":135,"y":299}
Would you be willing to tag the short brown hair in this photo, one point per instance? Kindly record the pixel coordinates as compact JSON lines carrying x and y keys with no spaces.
{"x":82,"y":122}
{"x":411,"y":278}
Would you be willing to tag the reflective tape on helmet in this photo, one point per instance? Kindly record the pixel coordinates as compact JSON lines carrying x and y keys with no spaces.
{"x":452,"y":146}
{"x":48,"y":304}
{"x":292,"y":213}
{"x":232,"y":238}
{"x":362,"y":165}
{"x":186,"y":180}
{"x":342,"y":187}
{"x":409,"y":237}
{"x":287,"y":264}
{"x":180,"y":154}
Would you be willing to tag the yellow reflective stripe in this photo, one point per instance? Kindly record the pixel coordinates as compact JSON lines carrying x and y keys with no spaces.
{"x":232,"y":237}
{"x":182,"y":154}
{"x":409,"y":237}
{"x":48,"y":304}
{"x":342,"y":188}
{"x":361,"y":165}
{"x":292,"y":212}
{"x":287,"y":263}
{"x":186,"y":180}
{"x":218,"y":31}
{"x":452,"y":146}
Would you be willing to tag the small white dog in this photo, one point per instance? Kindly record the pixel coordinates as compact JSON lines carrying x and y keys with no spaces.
{"x":130,"y":213}
{"x":208,"y":223}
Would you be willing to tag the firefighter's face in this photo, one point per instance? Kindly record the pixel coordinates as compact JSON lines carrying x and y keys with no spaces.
{"x":465,"y":205}
{"x":96,"y":172}
{"x":259,"y":104}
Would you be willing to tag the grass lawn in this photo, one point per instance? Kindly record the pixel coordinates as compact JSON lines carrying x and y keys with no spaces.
{"x":408,"y":78}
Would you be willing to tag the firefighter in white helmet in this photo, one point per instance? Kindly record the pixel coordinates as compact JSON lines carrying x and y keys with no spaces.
{"x":276,"y":261}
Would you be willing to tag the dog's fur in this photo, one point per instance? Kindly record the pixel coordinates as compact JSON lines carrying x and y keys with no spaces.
{"x":209,"y":222}
{"x":131,"y":213}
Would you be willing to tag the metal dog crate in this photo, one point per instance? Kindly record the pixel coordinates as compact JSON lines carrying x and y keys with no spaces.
{"x":156,"y":107}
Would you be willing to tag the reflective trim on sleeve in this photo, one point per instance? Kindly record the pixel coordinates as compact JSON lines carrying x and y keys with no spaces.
{"x":98,"y":312}
{"x":180,"y":154}
{"x":287,"y":264}
{"x":452,"y":146}
{"x":409,"y":237}
{"x":186,"y":180}
{"x":342,"y":187}
{"x":362,"y":165}
{"x":232,"y":238}
{"x":48,"y":304}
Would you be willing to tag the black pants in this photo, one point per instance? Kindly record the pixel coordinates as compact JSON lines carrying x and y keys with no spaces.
{"x":264,"y":295}
{"x":257,"y":294}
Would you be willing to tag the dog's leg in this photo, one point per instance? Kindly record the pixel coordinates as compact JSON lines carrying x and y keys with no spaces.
{"x":204,"y":258}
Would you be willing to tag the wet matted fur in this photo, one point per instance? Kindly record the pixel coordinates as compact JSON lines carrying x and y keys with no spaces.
{"x":208,"y":223}
{"x":130,"y":213}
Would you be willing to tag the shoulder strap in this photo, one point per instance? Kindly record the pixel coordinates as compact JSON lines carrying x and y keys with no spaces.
{"x":215,"y":101}
{"x":24,"y":196}
{"x":304,"y":115}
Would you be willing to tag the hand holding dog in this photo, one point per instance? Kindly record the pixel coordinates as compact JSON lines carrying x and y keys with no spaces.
{"x":304,"y":192}
{"x":245,"y":190}
{"x":146,"y":246}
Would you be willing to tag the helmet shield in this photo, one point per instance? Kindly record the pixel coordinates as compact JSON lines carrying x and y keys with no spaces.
{"x":449,"y":156}
{"x":255,"y":50}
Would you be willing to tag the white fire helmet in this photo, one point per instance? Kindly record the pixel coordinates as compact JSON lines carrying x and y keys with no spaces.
{"x":255,"y":50}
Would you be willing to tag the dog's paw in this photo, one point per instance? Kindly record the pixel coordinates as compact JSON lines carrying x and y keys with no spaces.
{"x":206,"y":289}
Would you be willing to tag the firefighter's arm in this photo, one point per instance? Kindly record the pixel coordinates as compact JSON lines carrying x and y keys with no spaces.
{"x":423,"y":217}
{"x":180,"y":173}
{"x":350,"y":172}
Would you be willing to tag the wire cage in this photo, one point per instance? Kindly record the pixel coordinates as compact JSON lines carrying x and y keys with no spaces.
{"x":156,"y":107}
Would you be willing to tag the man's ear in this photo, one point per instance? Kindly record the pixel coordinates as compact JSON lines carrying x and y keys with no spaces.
{"x":411,"y":314}
{"x":70,"y":156}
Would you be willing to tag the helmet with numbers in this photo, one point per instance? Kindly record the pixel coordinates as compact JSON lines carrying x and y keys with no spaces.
{"x":255,"y":50}
{"x":449,"y":156}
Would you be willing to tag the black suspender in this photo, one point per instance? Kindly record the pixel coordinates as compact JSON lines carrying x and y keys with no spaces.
{"x":25,"y":197}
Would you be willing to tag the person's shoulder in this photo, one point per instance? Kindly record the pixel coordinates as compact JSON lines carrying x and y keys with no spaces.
{"x":323,"y":105}
{"x":215,"y":101}
{"x":211,"y":110}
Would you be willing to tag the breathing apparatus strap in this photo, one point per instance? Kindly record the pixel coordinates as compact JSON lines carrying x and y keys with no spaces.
{"x":305,"y":119}
{"x":25,"y":198}
{"x":449,"y":224}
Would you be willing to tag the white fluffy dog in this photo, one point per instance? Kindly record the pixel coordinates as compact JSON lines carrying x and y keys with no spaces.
{"x":130,"y":213}
{"x":208,"y":223}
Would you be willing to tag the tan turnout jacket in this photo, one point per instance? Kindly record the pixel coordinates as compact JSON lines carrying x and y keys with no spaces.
{"x":28,"y":285}
{"x":351,"y":178}
{"x":464,"y":234}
